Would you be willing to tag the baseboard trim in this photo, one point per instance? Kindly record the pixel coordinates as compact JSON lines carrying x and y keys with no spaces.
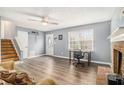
{"x":20,"y":62}
{"x":101,"y":62}
{"x":35,"y":56}
{"x":98,"y":62}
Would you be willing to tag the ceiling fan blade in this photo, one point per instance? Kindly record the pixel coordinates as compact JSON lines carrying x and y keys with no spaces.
{"x":47,"y":17}
{"x":54,"y":23}
{"x":29,"y":14}
{"x":51,"y":18}
{"x":34,"y":19}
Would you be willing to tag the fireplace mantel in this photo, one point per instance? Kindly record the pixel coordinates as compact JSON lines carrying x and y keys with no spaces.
{"x":117,"y":35}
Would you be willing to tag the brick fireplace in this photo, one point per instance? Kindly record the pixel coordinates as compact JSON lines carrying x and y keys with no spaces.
{"x":118,"y":57}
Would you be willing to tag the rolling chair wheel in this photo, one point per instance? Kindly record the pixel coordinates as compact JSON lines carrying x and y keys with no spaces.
{"x":73,"y":63}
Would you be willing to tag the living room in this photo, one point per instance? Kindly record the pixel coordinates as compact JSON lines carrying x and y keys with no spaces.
{"x":61,"y":45}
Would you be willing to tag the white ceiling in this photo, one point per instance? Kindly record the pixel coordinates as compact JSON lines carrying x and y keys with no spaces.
{"x":66,"y":17}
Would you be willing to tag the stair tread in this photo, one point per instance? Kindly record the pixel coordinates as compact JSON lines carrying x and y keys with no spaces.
{"x":8,"y":56}
{"x":6,"y":49}
{"x":6,"y":46}
{"x":10,"y":45}
{"x":8,"y":52}
{"x":10,"y":59}
{"x":6,"y":42}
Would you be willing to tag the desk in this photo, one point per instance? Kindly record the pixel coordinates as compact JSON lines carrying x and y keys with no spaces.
{"x":85,"y":52}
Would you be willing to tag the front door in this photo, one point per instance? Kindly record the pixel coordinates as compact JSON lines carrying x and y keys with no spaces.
{"x":49,"y":44}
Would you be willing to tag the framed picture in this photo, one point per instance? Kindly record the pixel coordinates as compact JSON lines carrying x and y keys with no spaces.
{"x":60,"y":37}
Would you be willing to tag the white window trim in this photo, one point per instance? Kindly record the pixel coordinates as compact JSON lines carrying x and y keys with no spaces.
{"x":81,"y":31}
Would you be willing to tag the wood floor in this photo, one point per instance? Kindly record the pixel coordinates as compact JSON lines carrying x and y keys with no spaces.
{"x":60,"y":70}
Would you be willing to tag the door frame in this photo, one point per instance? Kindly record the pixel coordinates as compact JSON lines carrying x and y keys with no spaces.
{"x":52,"y":45}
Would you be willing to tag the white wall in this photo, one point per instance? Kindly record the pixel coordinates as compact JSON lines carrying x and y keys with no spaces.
{"x":7,"y":29}
{"x":0,"y":27}
{"x":0,"y":38}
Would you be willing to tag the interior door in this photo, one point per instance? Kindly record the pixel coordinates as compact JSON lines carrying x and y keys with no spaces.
{"x":49,"y":44}
{"x":23,"y":40}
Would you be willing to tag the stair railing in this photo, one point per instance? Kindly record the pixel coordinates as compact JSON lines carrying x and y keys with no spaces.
{"x":18,"y":47}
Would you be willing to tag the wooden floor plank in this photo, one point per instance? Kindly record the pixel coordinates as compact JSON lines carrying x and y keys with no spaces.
{"x":58,"y":69}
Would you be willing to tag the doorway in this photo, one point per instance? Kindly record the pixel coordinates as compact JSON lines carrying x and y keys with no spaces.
{"x":49,"y":44}
{"x":23,"y":40}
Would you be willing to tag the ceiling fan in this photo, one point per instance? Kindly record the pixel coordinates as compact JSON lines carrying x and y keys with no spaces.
{"x":45,"y":20}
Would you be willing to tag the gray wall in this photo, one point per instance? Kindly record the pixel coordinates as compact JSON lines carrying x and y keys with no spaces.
{"x":36,"y":41}
{"x":101,"y":43}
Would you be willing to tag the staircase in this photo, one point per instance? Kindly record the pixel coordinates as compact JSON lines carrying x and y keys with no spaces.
{"x":8,"y":52}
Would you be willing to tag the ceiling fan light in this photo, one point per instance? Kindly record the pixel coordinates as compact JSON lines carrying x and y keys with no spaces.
{"x":44,"y":23}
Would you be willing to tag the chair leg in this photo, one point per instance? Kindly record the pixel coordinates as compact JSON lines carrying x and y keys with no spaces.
{"x":77,"y":63}
{"x":78,"y":60}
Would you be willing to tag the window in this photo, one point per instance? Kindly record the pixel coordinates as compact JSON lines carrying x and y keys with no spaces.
{"x":81,"y":40}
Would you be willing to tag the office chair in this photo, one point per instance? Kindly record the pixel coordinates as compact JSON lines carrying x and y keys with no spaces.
{"x":78,"y":55}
